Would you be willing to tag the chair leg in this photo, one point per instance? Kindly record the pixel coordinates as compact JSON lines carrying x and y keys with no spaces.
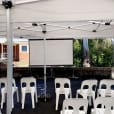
{"x":23,"y":100}
{"x":57,"y":100}
{"x":12,"y":100}
{"x":32,"y":97}
{"x":77,"y":95}
{"x":17,"y":96}
{"x":0,"y":112}
{"x":93,"y":99}
{"x":98,"y":94}
{"x":90,"y":100}
{"x":70,"y":94}
{"x":2,"y":100}
{"x":36,"y":96}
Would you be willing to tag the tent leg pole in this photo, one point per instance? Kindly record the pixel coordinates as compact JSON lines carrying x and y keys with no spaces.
{"x":9,"y":61}
{"x":2,"y":51}
{"x":85,"y":48}
{"x":113,"y":52}
{"x":45,"y":85}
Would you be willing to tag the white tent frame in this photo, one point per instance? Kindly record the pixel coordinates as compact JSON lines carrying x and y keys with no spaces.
{"x":9,"y":62}
{"x":10,"y":58}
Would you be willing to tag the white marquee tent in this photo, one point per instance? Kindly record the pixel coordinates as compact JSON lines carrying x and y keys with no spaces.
{"x":43,"y":19}
{"x":74,"y":18}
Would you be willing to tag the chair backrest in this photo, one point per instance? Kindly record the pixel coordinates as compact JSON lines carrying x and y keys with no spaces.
{"x":106,"y":102}
{"x":28,"y":82}
{"x":75,"y":104}
{"x":62,"y":83}
{"x":108,"y":83}
{"x":13,"y":82}
{"x":3,"y":82}
{"x":89,"y":84}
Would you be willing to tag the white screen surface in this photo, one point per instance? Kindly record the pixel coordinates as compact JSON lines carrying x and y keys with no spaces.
{"x":57,"y":52}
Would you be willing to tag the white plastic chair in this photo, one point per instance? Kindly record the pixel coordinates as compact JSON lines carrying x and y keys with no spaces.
{"x":61,"y":82}
{"x":3,"y":81}
{"x":0,"y":112}
{"x":106,"y":91}
{"x":75,"y":106}
{"x":103,"y":105}
{"x":27,"y":87}
{"x":87,"y":90}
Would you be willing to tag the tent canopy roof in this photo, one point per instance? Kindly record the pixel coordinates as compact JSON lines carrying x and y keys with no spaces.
{"x":63,"y":18}
{"x":64,"y":10}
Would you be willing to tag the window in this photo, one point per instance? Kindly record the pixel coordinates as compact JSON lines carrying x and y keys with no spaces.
{"x":24,"y":49}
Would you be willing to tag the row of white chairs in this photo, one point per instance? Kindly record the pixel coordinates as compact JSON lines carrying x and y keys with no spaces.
{"x":102,"y":105}
{"x":62,"y":86}
{"x":88,"y":89}
{"x":28,"y":85}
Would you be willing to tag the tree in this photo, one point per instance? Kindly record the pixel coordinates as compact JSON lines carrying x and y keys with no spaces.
{"x":101,"y":52}
{"x":77,"y":53}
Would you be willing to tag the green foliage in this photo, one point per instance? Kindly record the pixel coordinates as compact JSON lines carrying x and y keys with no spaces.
{"x":100,"y":51}
{"x":78,"y":53}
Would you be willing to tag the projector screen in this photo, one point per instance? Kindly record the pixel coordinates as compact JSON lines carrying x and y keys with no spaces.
{"x":57,"y":52}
